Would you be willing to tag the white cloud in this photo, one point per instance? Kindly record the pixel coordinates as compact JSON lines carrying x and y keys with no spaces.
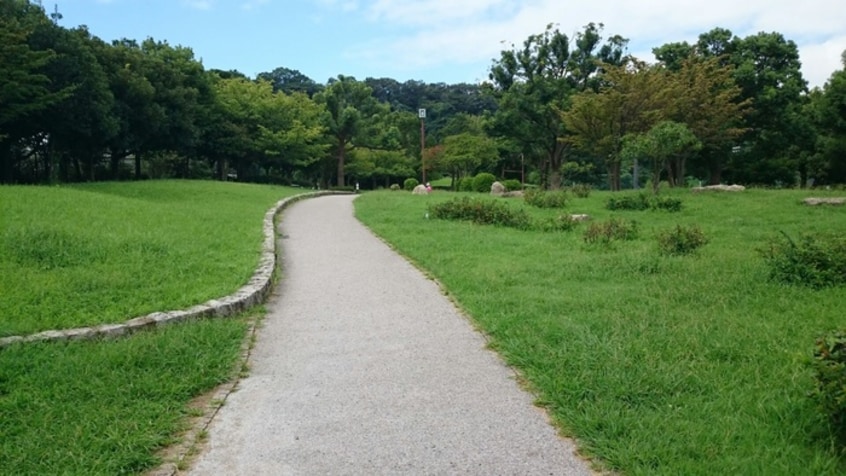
{"x":254,"y":4}
{"x":199,"y":4}
{"x":425,"y":33}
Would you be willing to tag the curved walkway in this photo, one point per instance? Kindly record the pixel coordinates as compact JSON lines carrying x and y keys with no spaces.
{"x":363,"y":367}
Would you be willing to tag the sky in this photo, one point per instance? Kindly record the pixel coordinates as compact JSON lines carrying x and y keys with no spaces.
{"x":449,"y":41}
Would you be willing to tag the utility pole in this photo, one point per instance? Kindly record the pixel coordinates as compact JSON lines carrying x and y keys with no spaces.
{"x":421,"y":113}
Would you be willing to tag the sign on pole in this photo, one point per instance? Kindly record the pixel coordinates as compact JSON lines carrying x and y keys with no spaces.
{"x":421,"y":113}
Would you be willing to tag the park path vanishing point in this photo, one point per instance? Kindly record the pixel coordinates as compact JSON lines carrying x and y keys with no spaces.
{"x":363,"y":367}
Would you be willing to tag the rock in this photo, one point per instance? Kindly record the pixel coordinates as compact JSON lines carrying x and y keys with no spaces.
{"x":420,"y":190}
{"x":813,"y":201}
{"x":497,"y":189}
{"x":514,"y":194}
{"x":719,"y":188}
{"x":578,"y":217}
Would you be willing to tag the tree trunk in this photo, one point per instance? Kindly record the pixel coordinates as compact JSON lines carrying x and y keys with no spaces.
{"x":342,"y":150}
{"x":137,"y":165}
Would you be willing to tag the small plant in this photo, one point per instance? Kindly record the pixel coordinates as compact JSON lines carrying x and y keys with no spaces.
{"x":465,"y":184}
{"x":512,"y":185}
{"x":816,"y":261}
{"x":543,"y":199}
{"x":581,"y":190}
{"x":829,"y":366}
{"x":482,"y":182}
{"x":611,"y":230}
{"x":681,"y":240}
{"x":409,"y":184}
{"x":395,"y":187}
{"x":482,"y":212}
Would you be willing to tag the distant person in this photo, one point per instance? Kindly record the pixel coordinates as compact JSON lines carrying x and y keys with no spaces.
{"x":428,"y":188}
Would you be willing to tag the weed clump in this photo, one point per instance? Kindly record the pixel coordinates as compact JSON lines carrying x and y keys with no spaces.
{"x":556,"y":224}
{"x":681,"y":240}
{"x":581,"y":190}
{"x":482,"y":212}
{"x":615,"y":229}
{"x":543,"y":199}
{"x":829,"y":366}
{"x":813,"y":261}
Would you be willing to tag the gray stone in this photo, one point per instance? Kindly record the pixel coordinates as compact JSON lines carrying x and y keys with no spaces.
{"x":719,"y":188}
{"x":420,"y":190}
{"x":814,"y":201}
{"x":498,"y":189}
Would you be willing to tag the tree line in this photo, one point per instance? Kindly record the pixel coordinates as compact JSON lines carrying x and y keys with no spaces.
{"x":555,"y":110}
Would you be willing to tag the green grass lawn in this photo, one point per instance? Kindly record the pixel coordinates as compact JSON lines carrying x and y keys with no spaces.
{"x":655,"y":364}
{"x":99,"y":253}
{"x":94,"y":253}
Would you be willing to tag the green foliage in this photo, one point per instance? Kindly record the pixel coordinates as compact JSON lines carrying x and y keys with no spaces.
{"x":465,"y":184}
{"x":545,"y":199}
{"x":512,"y":185}
{"x":816,"y":261}
{"x":555,"y":224}
{"x":481,"y":211}
{"x":681,"y":240}
{"x":643,"y":201}
{"x":482,"y":182}
{"x":829,"y":367}
{"x":581,"y":190}
{"x":409,"y":184}
{"x":614,"y":229}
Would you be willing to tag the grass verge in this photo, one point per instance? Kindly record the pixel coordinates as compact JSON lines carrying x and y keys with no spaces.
{"x":656,"y":364}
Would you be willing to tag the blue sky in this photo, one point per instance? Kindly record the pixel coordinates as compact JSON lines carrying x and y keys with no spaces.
{"x":447,"y":41}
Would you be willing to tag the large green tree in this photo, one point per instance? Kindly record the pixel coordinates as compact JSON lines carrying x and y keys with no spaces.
{"x":534,"y":84}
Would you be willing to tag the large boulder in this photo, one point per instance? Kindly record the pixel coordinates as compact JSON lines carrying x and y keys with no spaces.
{"x":420,"y":190}
{"x":719,"y":188}
{"x":813,"y":201}
{"x":498,"y":189}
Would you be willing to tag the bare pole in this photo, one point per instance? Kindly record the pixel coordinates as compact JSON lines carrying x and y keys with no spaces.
{"x":422,"y":114}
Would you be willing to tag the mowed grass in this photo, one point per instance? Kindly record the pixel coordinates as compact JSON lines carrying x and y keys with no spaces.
{"x":656,"y":365}
{"x":99,"y":253}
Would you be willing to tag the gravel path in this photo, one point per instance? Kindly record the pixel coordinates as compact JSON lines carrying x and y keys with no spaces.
{"x":362,"y":367}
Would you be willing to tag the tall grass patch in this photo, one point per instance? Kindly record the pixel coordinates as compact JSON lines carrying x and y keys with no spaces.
{"x":657,"y":365}
{"x":98,"y":253}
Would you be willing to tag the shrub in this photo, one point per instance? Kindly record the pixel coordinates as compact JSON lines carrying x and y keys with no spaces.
{"x":829,"y":367}
{"x":482,"y":182}
{"x":543,"y":199}
{"x":465,"y":184}
{"x":815,"y":261}
{"x":581,"y":190}
{"x":611,"y":230}
{"x":669,"y":204}
{"x":409,"y":184}
{"x":644,"y":201}
{"x":395,"y":187}
{"x":559,"y":223}
{"x":681,"y":240}
{"x":481,"y":211}
{"x":628,"y":202}
{"x":512,"y":185}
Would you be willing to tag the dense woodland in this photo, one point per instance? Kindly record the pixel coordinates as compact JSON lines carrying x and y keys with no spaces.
{"x":555,"y":111}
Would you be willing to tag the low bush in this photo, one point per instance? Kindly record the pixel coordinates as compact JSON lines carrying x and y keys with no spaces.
{"x":481,"y":211}
{"x":681,"y":240}
{"x":611,"y":230}
{"x":554,"y":224}
{"x":543,"y":199}
{"x":628,"y":202}
{"x":643,"y":201}
{"x":581,"y":190}
{"x":482,"y":182}
{"x":465,"y":184}
{"x":816,"y":261}
{"x":829,"y":367}
{"x":512,"y":185}
{"x":409,"y":184}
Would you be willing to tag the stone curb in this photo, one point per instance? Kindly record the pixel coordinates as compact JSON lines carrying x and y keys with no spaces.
{"x":254,"y":292}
